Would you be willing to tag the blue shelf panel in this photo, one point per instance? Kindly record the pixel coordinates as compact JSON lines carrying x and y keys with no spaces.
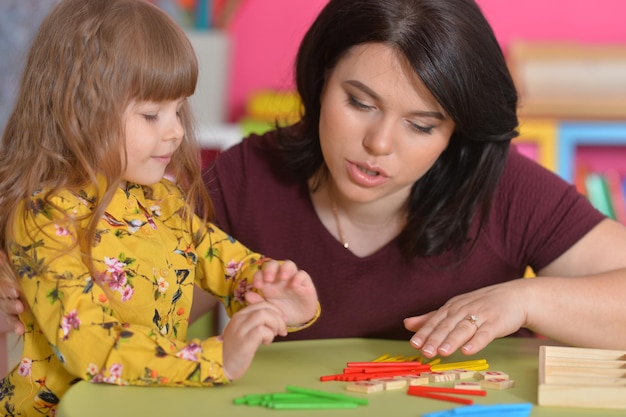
{"x":573,"y":134}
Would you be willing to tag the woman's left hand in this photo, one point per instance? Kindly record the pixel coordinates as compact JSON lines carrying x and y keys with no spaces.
{"x":470,"y":321}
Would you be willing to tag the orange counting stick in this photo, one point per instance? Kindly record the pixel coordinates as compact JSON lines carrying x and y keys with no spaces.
{"x":398,"y":372}
{"x":362,"y":376}
{"x":425,"y":388}
{"x":358,"y":376}
{"x":331,"y":377}
{"x":442,"y":397}
{"x":353,"y":370}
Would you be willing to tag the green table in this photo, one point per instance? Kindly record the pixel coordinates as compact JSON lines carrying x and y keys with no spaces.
{"x":301,"y":364}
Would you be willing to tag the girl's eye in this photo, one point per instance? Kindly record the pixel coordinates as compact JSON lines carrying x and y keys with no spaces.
{"x":356,"y":103}
{"x":151,"y":117}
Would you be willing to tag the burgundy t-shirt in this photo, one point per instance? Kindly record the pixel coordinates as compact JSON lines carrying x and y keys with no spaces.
{"x":536,"y":217}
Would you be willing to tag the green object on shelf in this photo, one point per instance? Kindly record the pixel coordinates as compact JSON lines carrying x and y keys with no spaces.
{"x":599,"y":195}
{"x":249,"y":126}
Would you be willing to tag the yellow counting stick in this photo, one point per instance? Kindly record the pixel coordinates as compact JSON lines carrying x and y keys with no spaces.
{"x":474,"y":365}
{"x":434,"y":361}
{"x":398,"y":358}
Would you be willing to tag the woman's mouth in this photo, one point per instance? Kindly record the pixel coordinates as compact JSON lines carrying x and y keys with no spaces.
{"x":367,"y":171}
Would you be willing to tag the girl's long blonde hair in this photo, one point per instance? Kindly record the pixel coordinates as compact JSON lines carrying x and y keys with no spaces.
{"x":88,"y":61}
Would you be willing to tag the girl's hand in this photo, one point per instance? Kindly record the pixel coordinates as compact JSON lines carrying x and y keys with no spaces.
{"x":470,"y":321}
{"x":10,"y":307}
{"x":246,"y":330}
{"x":287,"y":288}
{"x":10,"y":304}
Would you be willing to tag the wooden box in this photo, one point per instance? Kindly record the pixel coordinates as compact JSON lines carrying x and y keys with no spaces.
{"x":579,"y":377}
{"x":569,"y":80}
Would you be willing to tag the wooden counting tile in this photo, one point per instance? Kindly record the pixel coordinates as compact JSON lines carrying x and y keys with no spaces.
{"x":470,"y":385}
{"x":413,"y":380}
{"x":491,"y":375}
{"x":365,"y":386}
{"x":464,"y":373}
{"x":452,"y":375}
{"x":391,"y":383}
{"x":497,"y":383}
{"x":441,"y":377}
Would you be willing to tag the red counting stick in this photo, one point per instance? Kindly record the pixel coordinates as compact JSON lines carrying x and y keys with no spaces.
{"x":442,"y":397}
{"x":425,"y":388}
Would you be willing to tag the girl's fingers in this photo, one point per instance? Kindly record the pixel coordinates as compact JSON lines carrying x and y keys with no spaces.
{"x":267,"y":272}
{"x":287,"y":270}
{"x":253,"y":297}
{"x":261,"y":314}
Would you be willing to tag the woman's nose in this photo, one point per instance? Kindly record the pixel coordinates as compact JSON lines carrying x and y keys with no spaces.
{"x":379,"y":138}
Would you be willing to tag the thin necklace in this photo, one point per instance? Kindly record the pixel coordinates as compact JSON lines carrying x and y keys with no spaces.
{"x":338,"y":224}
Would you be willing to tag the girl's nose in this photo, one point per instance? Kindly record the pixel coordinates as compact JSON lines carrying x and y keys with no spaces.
{"x":175,"y":130}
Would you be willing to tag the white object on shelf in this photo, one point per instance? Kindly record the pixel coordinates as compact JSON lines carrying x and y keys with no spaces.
{"x":219,"y":136}
{"x":213,"y":51}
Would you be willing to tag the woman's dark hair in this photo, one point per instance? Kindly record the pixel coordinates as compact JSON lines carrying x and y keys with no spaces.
{"x":452,"y":48}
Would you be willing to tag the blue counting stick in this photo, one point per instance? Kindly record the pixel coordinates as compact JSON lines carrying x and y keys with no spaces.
{"x":504,"y":410}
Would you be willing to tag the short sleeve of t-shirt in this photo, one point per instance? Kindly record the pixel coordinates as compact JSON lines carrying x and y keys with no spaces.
{"x":537,"y":215}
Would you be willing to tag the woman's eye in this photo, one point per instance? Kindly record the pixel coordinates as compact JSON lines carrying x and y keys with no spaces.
{"x":421,"y":129}
{"x":356,"y":103}
{"x":151,"y":117}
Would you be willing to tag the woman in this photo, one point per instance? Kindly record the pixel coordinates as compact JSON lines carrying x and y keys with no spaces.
{"x":399,"y":193}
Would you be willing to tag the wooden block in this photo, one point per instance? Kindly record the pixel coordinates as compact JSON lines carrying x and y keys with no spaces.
{"x":367,"y":387}
{"x":582,"y":377}
{"x":497,"y":383}
{"x":491,"y":375}
{"x":470,"y":385}
{"x":391,"y":383}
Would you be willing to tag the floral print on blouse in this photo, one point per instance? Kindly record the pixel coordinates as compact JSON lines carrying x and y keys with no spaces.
{"x":127,"y":325}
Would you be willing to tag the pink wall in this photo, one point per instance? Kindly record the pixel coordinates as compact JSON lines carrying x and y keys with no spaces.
{"x":266,"y":33}
{"x":588,"y":21}
{"x":265,"y":36}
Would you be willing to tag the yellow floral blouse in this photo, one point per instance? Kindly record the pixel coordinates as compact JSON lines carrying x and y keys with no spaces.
{"x":128,"y":324}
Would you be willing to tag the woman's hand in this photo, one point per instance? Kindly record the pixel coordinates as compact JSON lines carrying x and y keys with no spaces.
{"x":470,"y":321}
{"x":287,"y":288}
{"x":256,"y":324}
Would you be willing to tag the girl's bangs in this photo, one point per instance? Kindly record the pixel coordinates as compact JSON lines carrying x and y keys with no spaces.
{"x":165,"y":66}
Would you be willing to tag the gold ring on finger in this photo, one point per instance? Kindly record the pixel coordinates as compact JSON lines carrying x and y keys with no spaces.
{"x":472,"y":318}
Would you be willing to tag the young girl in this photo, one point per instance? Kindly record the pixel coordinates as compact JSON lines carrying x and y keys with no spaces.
{"x":105,"y":249}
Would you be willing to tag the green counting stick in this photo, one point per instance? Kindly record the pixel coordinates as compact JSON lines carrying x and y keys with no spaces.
{"x":299,"y":399}
{"x":260,"y":399}
{"x":327,"y":395}
{"x":310,"y":405}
